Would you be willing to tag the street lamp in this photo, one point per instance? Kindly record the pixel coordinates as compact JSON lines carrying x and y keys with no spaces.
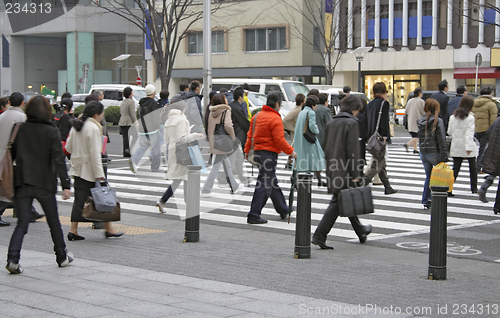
{"x":360,"y":53}
{"x":120,"y":60}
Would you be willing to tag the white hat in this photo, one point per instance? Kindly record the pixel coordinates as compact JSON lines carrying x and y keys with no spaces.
{"x":150,"y":89}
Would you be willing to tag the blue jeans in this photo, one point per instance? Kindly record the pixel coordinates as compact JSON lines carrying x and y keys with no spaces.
{"x":267,"y":186}
{"x":219,"y":160}
{"x":144,"y":145}
{"x":429,"y":161}
{"x":22,"y":201}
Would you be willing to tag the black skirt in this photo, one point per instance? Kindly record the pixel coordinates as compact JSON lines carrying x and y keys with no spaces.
{"x":82,"y":192}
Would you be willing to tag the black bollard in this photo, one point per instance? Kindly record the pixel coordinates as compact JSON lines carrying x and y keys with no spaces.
{"x":437,"y":244}
{"x":303,"y":218}
{"x":192,"y":229}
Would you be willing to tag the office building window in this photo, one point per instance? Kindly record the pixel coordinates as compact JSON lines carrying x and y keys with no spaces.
{"x":265,"y":39}
{"x":195,"y":42}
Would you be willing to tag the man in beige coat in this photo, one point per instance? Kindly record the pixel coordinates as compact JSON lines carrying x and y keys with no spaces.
{"x":127,"y":118}
{"x":485,"y":111}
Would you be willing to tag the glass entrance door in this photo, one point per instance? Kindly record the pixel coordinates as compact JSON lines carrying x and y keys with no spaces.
{"x":400,"y":92}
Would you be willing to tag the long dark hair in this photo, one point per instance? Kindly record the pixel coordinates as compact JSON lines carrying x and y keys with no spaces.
{"x":432,"y":109}
{"x":90,"y":110}
{"x":464,"y":107}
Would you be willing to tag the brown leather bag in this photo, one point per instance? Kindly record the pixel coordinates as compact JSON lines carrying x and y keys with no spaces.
{"x":91,"y":214}
{"x":7,"y":170}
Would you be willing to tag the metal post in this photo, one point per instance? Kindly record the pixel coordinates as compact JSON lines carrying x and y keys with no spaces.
{"x":437,"y":244}
{"x":207,"y":51}
{"x":192,"y":229}
{"x":303,"y":218}
{"x":360,"y":89}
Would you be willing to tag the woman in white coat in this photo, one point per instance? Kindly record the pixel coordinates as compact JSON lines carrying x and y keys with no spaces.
{"x":176,"y":130}
{"x":85,"y":145}
{"x":461,"y":129}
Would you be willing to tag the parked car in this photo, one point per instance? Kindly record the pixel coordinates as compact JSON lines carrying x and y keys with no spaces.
{"x":263,"y":86}
{"x":257,"y":100}
{"x":113,"y":93}
{"x":335,"y":95}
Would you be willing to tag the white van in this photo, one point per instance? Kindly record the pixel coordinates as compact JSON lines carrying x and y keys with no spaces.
{"x":260,"y":85}
{"x":336,"y":94}
{"x":113,"y":93}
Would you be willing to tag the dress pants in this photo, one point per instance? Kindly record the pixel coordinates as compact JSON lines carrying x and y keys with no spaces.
{"x":125,"y":138}
{"x":378,"y":165}
{"x":267,"y":186}
{"x":23,"y":200}
{"x":330,"y":216}
{"x":457,"y":163}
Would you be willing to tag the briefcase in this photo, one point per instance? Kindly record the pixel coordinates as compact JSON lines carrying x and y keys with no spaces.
{"x":355,"y":201}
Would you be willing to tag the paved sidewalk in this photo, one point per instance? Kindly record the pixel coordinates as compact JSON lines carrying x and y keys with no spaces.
{"x":88,"y":288}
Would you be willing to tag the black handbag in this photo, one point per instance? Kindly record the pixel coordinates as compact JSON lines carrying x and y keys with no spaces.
{"x":222,"y":141}
{"x":182,"y":152}
{"x":307,"y":133}
{"x":355,"y":201}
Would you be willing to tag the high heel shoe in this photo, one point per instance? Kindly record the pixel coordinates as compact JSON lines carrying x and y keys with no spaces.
{"x":416,"y":152}
{"x":160,"y":206}
{"x":74,"y":237}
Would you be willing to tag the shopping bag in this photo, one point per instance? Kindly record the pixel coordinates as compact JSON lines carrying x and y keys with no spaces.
{"x":91,"y":214}
{"x":182,"y":155}
{"x":355,"y":201}
{"x":197,"y":157}
{"x":442,"y":176}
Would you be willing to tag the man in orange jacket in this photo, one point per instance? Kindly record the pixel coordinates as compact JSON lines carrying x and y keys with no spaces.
{"x":268,"y":142}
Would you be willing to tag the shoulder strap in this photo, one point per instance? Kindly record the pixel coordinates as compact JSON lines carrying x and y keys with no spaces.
{"x":13,"y":134}
{"x":306,"y":123}
{"x":380,"y":114}
{"x":253,"y":128}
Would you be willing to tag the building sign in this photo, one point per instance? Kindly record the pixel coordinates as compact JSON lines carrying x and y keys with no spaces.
{"x":495,"y":57}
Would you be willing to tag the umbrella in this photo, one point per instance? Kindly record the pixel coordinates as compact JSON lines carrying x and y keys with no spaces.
{"x":293,"y":186}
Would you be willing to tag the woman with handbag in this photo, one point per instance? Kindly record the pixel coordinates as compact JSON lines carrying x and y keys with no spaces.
{"x":221,"y":139}
{"x":176,"y":130}
{"x":85,"y":145}
{"x":461,"y":129}
{"x":310,"y":155}
{"x":432,"y":143}
{"x":39,"y":161}
{"x":343,"y":167}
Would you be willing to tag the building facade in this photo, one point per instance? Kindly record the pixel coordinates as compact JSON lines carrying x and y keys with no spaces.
{"x":416,"y":43}
{"x":68,"y":53}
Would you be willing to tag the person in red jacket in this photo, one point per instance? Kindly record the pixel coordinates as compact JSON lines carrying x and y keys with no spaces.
{"x":268,"y":142}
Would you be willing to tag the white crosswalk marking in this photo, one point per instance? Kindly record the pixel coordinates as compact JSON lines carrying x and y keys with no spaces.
{"x":399,"y":214}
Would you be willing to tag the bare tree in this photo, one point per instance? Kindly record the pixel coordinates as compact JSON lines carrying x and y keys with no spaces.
{"x":474,"y":11}
{"x":316,"y":27}
{"x":165,"y":23}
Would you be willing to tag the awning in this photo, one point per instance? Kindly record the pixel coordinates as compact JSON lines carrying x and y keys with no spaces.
{"x":483,"y":72}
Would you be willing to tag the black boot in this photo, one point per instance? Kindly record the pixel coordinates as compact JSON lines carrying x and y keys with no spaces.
{"x":388,"y":188}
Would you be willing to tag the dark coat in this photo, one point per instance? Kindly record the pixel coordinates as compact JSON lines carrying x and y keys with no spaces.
{"x":240,"y":122}
{"x":193,"y":110}
{"x":64,"y":125}
{"x":492,"y":154}
{"x":148,"y":109}
{"x":341,"y":146}
{"x":372,"y":112}
{"x":452,"y":106}
{"x":39,"y":156}
{"x":323,"y":116}
{"x":432,"y":142}
{"x":443,"y":100}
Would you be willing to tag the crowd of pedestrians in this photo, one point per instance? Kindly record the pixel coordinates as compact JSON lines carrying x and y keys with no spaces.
{"x":320,"y":140}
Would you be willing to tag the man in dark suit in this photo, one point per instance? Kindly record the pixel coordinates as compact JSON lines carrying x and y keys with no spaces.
{"x":241,"y":126}
{"x":453,"y":104}
{"x":443,"y":100}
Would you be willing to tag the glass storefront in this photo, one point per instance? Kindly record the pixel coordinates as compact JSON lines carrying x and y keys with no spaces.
{"x":399,"y":86}
{"x":481,"y":83}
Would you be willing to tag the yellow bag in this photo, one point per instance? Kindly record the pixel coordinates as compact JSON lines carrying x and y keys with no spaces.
{"x":442,"y":175}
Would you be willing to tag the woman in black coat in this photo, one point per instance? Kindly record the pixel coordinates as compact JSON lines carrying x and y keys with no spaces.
{"x":341,"y":145}
{"x":39,"y":160}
